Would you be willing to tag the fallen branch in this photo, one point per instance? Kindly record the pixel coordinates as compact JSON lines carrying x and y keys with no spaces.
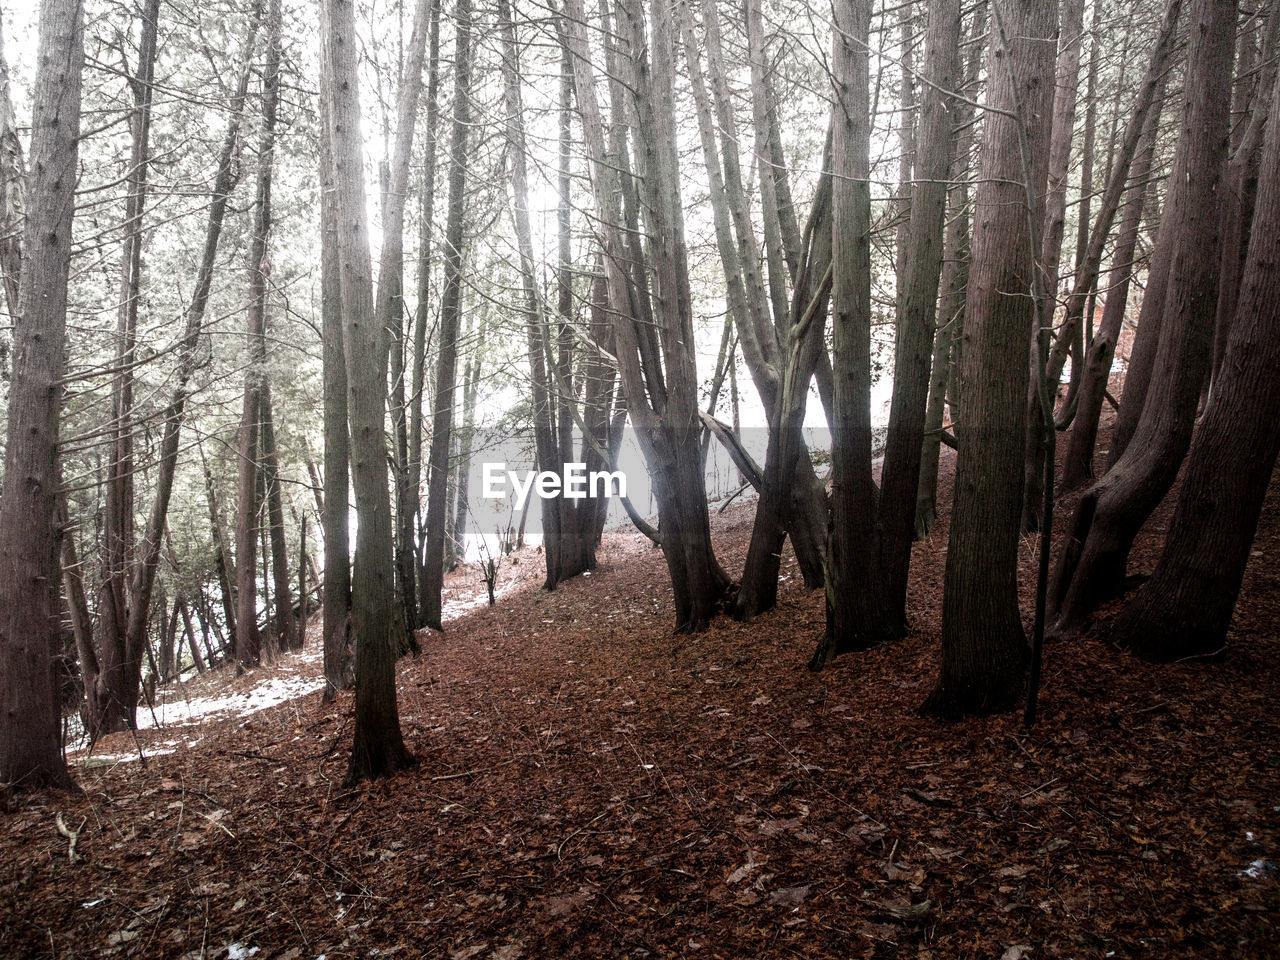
{"x":73,"y":836}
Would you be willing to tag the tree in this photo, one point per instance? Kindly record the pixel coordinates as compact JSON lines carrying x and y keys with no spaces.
{"x":1091,"y":567}
{"x":450,"y":314}
{"x":30,"y":748}
{"x":1185,"y":608}
{"x":984,"y":649}
{"x":378,"y":748}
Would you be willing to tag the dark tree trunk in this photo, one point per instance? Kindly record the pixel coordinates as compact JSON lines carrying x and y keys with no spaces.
{"x":857,"y":599}
{"x":377,"y":748}
{"x":30,"y":748}
{"x":335,"y":517}
{"x":1077,"y":463}
{"x":1091,"y":567}
{"x":450,"y":313}
{"x":1184,"y":610}
{"x":226,"y":577}
{"x":917,"y":320}
{"x":13,"y":184}
{"x":984,"y":649}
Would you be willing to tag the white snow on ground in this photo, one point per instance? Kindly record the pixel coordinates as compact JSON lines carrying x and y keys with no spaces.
{"x":292,"y":676}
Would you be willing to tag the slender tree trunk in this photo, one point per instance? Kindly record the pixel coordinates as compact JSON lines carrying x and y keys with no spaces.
{"x":984,"y":649}
{"x":1110,"y":514}
{"x":287,"y":635}
{"x":389,"y":309}
{"x":1185,"y":609}
{"x":1077,"y":463}
{"x":30,"y":749}
{"x":335,"y":517}
{"x":116,"y":710}
{"x":191,"y":636}
{"x":420,"y":319}
{"x":13,"y":188}
{"x":377,"y":748}
{"x":917,"y":319}
{"x":226,"y":576}
{"x":1070,"y":41}
{"x":450,"y":313}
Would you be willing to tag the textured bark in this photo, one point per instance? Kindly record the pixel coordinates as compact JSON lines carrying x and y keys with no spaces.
{"x":918,"y":302}
{"x":1077,"y":464}
{"x":1185,"y":608}
{"x":335,"y":516}
{"x":984,"y":649}
{"x":420,"y":320}
{"x":13,"y":189}
{"x":377,"y":748}
{"x":450,"y":313}
{"x":226,"y":576}
{"x":30,"y":748}
{"x":1070,"y":41}
{"x":115,"y":698}
{"x":856,"y":601}
{"x":1092,"y":565}
{"x":389,"y":308}
{"x":256,"y":401}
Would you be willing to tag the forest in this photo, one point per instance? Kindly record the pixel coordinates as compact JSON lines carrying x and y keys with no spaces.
{"x":512,"y":479}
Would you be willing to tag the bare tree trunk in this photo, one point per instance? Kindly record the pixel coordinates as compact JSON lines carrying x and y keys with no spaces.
{"x":191,"y":636}
{"x":1070,"y":40}
{"x":13,"y":188}
{"x":116,"y":706}
{"x":226,"y":576}
{"x":1184,"y":610}
{"x":1077,"y":464}
{"x":450,"y":312}
{"x":984,"y":649}
{"x":389,"y":309}
{"x":30,"y":748}
{"x":917,"y":319}
{"x":377,"y":748}
{"x":857,"y":601}
{"x":287,"y":635}
{"x":419,"y":387}
{"x":1110,"y":514}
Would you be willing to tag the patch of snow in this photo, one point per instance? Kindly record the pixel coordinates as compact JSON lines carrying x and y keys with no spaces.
{"x":1259,"y":870}
{"x":238,"y":951}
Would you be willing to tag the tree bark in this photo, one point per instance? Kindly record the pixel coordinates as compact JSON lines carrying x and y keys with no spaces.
{"x":1185,"y":608}
{"x":377,"y":748}
{"x":1091,"y":567}
{"x":30,"y":749}
{"x":984,"y":649}
{"x":450,"y":313}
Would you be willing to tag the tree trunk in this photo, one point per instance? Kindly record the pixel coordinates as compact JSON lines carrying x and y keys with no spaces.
{"x":917,"y":319}
{"x":1070,"y":41}
{"x":30,"y":749}
{"x":389,"y":309}
{"x":857,"y":600}
{"x":377,"y":748}
{"x":1077,"y":463}
{"x":1184,"y":610}
{"x":226,"y":576}
{"x":1092,"y":565}
{"x":984,"y":649}
{"x":13,"y":188}
{"x":450,"y":313}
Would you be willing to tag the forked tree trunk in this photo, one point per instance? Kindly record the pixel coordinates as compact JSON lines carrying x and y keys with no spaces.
{"x":1077,"y":463}
{"x":1091,"y":567}
{"x":377,"y":748}
{"x":1184,"y":610}
{"x":984,"y":649}
{"x":857,"y":600}
{"x":30,"y":748}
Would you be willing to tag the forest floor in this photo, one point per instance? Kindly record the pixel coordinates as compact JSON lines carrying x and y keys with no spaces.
{"x":590,"y":785}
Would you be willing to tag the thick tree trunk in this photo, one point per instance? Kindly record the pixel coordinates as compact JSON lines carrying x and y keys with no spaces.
{"x":30,"y":748}
{"x":984,"y":649}
{"x":1184,"y":610}
{"x":450,"y":313}
{"x":1110,"y":514}
{"x":377,"y":748}
{"x":857,"y":600}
